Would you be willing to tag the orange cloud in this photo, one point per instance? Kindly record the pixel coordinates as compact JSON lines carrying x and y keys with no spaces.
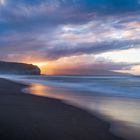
{"x":134,"y":25}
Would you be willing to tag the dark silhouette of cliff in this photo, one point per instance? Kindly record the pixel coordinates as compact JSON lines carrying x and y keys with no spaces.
{"x":18,"y":68}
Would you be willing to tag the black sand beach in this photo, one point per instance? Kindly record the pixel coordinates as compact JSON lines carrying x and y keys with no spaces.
{"x":24,"y":116}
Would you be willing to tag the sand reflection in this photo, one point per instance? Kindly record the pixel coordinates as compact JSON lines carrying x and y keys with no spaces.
{"x":47,"y":91}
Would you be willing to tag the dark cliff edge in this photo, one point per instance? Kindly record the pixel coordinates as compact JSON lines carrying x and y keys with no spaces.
{"x":18,"y":68}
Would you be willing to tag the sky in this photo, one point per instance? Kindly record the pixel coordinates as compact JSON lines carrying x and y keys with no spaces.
{"x":72,"y":36}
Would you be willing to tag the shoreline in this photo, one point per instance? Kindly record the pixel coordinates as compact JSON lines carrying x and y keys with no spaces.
{"x":26,"y":116}
{"x":119,"y":125}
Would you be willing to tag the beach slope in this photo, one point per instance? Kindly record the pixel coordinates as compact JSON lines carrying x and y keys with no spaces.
{"x":28,"y":117}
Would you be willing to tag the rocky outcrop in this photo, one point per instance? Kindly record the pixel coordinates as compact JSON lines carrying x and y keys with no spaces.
{"x":18,"y":68}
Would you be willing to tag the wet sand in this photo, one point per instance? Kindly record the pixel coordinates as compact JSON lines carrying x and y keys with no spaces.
{"x":24,"y":116}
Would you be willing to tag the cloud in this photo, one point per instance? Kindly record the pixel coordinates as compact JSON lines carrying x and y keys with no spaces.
{"x":41,"y":48}
{"x":53,"y":29}
{"x":63,"y":50}
{"x":80,"y":65}
{"x":25,"y":15}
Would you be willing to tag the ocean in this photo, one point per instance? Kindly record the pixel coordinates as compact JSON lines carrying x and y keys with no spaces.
{"x":113,"y":98}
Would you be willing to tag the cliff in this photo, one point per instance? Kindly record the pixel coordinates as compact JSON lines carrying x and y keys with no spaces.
{"x":18,"y":68}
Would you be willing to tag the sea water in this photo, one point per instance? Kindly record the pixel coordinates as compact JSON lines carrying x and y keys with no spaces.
{"x":113,"y":98}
